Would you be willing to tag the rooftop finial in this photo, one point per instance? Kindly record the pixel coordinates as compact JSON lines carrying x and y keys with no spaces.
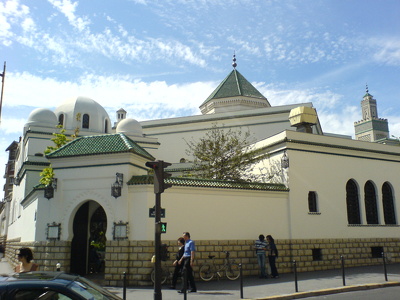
{"x":366,"y":87}
{"x":234,"y":64}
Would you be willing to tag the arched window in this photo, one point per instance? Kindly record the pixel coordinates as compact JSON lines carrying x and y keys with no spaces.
{"x":312,"y":202}
{"x":388,"y":204}
{"x":61,"y":120}
{"x":106,"y":126}
{"x":371,"y":207}
{"x":85,"y":121}
{"x":352,"y":202}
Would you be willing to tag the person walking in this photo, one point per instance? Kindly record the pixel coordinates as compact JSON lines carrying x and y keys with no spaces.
{"x":188,"y":262}
{"x":261,"y":248}
{"x":178,"y":267}
{"x":25,"y":257}
{"x":272,"y":256}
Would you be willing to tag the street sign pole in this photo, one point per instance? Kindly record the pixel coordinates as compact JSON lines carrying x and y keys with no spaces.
{"x":159,"y":187}
{"x":157,"y":239}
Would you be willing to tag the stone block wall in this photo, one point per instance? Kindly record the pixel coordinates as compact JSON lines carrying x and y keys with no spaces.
{"x":46,"y":254}
{"x":133,"y":257}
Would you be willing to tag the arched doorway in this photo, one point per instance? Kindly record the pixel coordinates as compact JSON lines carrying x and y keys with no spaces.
{"x":89,"y":229}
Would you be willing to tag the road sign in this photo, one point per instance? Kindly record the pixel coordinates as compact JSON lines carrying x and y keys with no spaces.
{"x":152,"y":212}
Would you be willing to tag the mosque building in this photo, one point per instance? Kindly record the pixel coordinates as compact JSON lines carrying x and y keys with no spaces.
{"x":337,"y":196}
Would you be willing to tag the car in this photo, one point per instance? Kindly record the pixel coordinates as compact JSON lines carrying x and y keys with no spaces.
{"x":51,"y":286}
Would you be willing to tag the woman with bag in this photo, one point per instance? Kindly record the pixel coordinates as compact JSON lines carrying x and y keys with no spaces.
{"x":272,"y":256}
{"x":178,"y":267}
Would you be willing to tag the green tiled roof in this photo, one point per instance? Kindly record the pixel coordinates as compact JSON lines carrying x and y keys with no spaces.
{"x":99,"y":144}
{"x":180,"y":181}
{"x":235,"y":85}
{"x":367,"y":95}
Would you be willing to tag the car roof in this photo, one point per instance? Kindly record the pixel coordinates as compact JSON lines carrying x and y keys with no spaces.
{"x":39,"y":279}
{"x":39,"y":276}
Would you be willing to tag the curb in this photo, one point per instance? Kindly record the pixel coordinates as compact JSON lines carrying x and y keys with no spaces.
{"x":331,"y":291}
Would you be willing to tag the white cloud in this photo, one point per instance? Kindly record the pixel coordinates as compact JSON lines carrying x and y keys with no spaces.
{"x":114,"y":92}
{"x":325,"y":102}
{"x":12,"y":126}
{"x":387,"y":50}
{"x":68,"y":8}
{"x":11,"y":13}
{"x":394,"y":125}
{"x":339,"y":122}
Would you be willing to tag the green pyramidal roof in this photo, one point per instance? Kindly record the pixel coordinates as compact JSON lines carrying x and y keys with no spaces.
{"x":235,"y":85}
{"x":100,"y":144}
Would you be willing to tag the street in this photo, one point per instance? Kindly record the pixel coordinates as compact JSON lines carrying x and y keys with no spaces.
{"x":389,"y":293}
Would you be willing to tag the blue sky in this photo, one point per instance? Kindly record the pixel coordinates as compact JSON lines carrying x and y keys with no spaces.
{"x":162,"y":58}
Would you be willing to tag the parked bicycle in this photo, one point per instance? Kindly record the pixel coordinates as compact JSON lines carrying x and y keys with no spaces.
{"x":166,"y":274}
{"x":208,"y":270}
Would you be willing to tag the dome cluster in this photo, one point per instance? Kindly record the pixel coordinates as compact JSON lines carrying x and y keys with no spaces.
{"x":83,"y":113}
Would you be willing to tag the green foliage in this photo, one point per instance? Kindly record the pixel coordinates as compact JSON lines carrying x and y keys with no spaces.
{"x":99,"y":245}
{"x":225,"y":155}
{"x":59,"y":140}
{"x":46,"y":176}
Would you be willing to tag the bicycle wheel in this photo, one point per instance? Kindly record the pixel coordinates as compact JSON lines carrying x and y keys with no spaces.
{"x":233,"y":271}
{"x":164,"y":276}
{"x":206,"y":272}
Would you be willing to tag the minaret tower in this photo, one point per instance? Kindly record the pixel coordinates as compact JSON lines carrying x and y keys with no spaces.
{"x":370,"y":128}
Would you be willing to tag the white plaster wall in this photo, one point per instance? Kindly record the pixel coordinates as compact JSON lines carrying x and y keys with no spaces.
{"x":24,"y":226}
{"x":171,"y":133}
{"x":209,"y":213}
{"x":327,"y":174}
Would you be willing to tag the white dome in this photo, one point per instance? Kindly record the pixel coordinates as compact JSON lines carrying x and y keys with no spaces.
{"x":130,"y":127}
{"x":99,"y":121}
{"x":42,"y":117}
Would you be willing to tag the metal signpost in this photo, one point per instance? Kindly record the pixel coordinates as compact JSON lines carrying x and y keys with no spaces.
{"x":159,"y":187}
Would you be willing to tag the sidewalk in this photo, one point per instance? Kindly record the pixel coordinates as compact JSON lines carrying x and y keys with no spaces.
{"x":309,"y":284}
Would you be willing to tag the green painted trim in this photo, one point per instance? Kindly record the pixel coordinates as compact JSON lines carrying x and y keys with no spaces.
{"x":208,"y":183}
{"x":24,"y":169}
{"x":371,"y":130}
{"x":343,"y":147}
{"x":345,"y":155}
{"x":101,"y":165}
{"x":287,"y":141}
{"x":36,"y":188}
{"x":362,"y":122}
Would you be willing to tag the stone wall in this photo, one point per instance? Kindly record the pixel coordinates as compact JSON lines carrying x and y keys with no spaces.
{"x":133,"y":257}
{"x":46,"y":254}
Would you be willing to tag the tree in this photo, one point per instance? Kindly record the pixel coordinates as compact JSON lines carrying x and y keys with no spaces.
{"x":59,"y":140}
{"x":225,"y":155}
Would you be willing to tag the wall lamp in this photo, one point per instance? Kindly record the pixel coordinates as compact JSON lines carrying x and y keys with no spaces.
{"x":116,"y":187}
{"x":285,"y":161}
